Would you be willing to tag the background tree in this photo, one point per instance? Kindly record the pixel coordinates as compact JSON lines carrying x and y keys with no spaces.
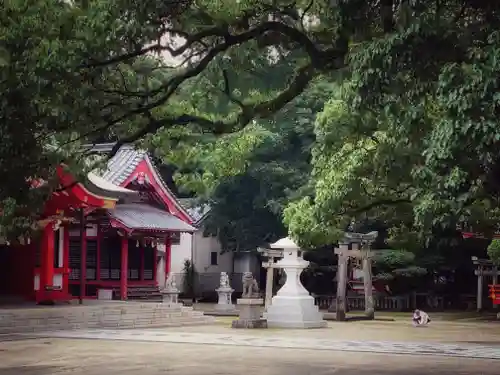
{"x":494,"y":251}
{"x":408,"y":141}
{"x":79,"y":70}
{"x":248,"y":177}
{"x":76,"y":71}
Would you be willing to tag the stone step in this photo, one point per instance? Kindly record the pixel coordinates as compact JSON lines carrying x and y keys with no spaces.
{"x":108,"y":325}
{"x":124,"y":315}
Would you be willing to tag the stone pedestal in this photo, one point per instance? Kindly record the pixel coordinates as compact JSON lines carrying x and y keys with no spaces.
{"x":170,"y":293}
{"x":224,"y":303}
{"x":171,"y":297}
{"x":293,"y":307}
{"x":250,"y":311}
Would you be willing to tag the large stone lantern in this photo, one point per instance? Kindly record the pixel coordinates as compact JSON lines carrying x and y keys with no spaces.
{"x":292,"y":306}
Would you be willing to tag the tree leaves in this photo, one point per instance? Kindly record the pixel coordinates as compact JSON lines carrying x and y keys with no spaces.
{"x":494,"y":251}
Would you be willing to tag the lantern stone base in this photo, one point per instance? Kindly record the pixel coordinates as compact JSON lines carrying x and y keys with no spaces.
{"x":294,"y":312}
{"x":170,"y":297}
{"x":224,"y":303}
{"x":250,"y":314}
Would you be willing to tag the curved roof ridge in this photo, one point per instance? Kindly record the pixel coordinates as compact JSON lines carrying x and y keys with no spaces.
{"x":121,"y":166}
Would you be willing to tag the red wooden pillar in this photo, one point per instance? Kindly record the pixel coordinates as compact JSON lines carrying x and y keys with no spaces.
{"x":168,"y":249}
{"x":83,"y":259}
{"x":66,"y":270}
{"x":46,"y":263}
{"x":141,"y":256}
{"x":124,"y":268}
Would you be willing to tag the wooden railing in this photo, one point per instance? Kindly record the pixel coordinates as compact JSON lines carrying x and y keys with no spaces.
{"x":387,"y":303}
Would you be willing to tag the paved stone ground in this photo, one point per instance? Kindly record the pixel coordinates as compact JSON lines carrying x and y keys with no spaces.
{"x":286,"y":341}
{"x":98,"y":357}
{"x":448,"y":332}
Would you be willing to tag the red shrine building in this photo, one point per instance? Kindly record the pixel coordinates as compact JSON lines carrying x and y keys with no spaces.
{"x":108,"y":237}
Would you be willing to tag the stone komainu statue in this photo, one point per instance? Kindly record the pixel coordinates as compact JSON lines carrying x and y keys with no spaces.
{"x":224,"y":280}
{"x":250,"y":286}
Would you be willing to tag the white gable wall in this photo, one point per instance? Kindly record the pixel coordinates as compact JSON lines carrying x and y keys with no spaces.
{"x":203,"y":247}
{"x":198,"y":249}
{"x":178,"y":255}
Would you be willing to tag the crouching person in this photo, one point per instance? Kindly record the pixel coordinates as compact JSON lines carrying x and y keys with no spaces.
{"x":420,"y":318}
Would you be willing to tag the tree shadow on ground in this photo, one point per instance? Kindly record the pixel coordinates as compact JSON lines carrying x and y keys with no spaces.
{"x":31,"y":370}
{"x":410,"y":369}
{"x":485,"y":343}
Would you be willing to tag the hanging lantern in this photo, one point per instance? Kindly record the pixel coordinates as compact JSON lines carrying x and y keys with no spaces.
{"x":137,"y":244}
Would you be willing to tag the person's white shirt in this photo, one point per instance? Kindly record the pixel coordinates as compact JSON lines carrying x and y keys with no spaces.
{"x":420,"y":318}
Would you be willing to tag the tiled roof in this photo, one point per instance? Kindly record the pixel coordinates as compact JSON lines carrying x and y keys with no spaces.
{"x":197,"y":211}
{"x":146,"y":217}
{"x":122,"y":165}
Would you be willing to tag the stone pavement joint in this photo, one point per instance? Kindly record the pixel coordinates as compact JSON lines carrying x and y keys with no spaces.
{"x":282,"y":341}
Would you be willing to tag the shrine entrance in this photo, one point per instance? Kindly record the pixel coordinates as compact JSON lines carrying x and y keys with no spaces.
{"x":104,"y":261}
{"x":485,"y":269}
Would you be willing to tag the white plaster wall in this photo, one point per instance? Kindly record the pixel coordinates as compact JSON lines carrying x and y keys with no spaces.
{"x":198,"y":249}
{"x":178,"y":255}
{"x":246,"y":262}
{"x":203,"y":247}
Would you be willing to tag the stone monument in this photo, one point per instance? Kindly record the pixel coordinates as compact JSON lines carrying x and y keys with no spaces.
{"x":170,"y":292}
{"x":293,"y":306}
{"x":224,"y":292}
{"x":250,"y":305}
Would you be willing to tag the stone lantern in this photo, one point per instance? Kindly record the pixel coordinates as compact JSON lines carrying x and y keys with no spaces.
{"x":293,"y":306}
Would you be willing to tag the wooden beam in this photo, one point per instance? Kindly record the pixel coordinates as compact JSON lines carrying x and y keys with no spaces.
{"x":486,"y":273}
{"x":354,"y":253}
{"x":270,"y":252}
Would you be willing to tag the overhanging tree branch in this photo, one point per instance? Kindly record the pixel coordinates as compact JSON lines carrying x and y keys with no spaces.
{"x":380,"y":203}
{"x":261,"y":110}
{"x":332,"y":57}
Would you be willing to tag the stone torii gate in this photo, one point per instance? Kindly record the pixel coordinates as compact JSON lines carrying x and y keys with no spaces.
{"x":361,"y":249}
{"x":484,"y":267}
{"x":272,"y":255}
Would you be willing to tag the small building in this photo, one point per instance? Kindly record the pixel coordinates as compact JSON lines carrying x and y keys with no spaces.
{"x":128,"y":229}
{"x":134,"y":169}
{"x":97,"y":239}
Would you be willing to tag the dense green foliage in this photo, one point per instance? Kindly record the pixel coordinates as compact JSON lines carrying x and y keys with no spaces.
{"x":494,"y":251}
{"x":410,"y":140}
{"x":408,"y":137}
{"x":249,"y":177}
{"x":112,"y":70}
